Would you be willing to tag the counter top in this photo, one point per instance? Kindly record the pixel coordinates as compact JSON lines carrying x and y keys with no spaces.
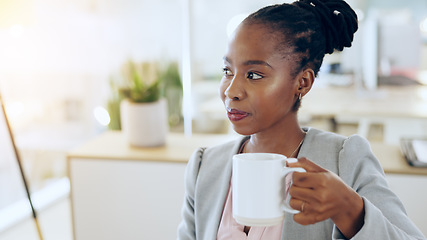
{"x":178,"y":149}
{"x":393,"y":161}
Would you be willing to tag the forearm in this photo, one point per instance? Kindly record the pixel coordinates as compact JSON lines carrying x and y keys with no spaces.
{"x":377,"y":226}
{"x":351,"y":219}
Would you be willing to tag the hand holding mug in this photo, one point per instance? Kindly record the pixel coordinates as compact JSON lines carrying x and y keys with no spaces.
{"x":323,"y":195}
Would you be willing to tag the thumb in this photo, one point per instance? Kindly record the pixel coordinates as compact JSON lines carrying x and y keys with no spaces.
{"x":303,"y":162}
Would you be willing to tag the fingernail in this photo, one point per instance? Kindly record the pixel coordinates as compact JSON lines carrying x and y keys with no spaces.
{"x":292,"y":160}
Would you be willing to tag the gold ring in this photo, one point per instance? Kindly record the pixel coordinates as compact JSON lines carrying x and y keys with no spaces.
{"x":302,"y":206}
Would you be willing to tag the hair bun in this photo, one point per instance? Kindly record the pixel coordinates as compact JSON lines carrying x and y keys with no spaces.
{"x":338,"y":20}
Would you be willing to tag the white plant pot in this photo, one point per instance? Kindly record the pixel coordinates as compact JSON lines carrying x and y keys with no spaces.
{"x":144,"y":124}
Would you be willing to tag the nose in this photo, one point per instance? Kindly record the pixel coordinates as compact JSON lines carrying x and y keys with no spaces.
{"x":235,"y":90}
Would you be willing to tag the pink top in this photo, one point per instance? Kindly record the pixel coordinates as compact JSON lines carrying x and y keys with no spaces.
{"x":230,"y":229}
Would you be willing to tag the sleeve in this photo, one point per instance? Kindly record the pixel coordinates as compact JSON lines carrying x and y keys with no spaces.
{"x":385,"y":216}
{"x":187,"y":227}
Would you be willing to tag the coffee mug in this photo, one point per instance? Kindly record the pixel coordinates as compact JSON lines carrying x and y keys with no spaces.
{"x":259,"y":193}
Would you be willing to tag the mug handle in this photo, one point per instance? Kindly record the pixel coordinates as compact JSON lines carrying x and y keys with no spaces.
{"x":285,"y":203}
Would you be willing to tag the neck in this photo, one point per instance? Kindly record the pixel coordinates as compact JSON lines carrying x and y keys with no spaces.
{"x":286,"y":141}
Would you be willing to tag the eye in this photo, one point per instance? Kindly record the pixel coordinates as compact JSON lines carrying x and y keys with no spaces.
{"x":227,"y":72}
{"x":254,"y":76}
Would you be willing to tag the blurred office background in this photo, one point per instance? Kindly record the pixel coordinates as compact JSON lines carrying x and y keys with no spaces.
{"x":57,"y":58}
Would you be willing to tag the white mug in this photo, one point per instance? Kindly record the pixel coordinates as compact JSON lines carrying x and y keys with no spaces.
{"x":259,"y":189}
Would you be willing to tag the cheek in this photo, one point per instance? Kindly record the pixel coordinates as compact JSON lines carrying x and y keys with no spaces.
{"x":276,"y":92}
{"x":279,"y":95}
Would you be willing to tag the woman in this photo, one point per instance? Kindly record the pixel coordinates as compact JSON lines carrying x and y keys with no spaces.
{"x":270,"y":65}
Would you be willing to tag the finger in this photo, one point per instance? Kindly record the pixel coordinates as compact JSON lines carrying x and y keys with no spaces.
{"x":306,"y":218}
{"x":297,"y":204}
{"x":303,"y":194}
{"x":306,"y":215}
{"x":308,"y":165}
{"x":308,"y":180}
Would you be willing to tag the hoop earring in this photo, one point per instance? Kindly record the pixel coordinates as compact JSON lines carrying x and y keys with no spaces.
{"x":299,"y":97}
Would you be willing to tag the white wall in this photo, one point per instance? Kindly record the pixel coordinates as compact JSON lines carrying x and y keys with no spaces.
{"x":63,"y":52}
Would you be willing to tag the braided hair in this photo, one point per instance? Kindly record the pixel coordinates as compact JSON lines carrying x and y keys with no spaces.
{"x":312,"y":28}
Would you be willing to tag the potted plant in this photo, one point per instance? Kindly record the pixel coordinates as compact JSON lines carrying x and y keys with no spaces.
{"x":143,"y":112}
{"x":172,"y":87}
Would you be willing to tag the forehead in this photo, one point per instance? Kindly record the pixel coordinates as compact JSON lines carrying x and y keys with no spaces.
{"x":256,"y":41}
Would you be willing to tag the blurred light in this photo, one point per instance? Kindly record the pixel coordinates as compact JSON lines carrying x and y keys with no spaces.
{"x":234,"y":22}
{"x":13,"y":12}
{"x":422,"y":77}
{"x":102,"y":116}
{"x":422,"y":93}
{"x":423,"y":25}
{"x":16,"y":31}
{"x":15,"y":109}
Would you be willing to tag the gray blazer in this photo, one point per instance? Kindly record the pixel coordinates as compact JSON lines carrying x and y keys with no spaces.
{"x":209,"y":170}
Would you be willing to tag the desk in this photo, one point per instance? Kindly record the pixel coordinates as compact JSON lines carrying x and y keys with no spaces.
{"x":402,"y":110}
{"x":112,"y":190}
{"x":392,"y":160}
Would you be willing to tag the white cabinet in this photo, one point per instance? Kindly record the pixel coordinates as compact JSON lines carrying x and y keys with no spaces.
{"x":126,"y":199}
{"x":121,"y":192}
{"x":411,"y":191}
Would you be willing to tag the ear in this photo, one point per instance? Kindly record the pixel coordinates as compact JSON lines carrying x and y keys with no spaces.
{"x":305,"y":81}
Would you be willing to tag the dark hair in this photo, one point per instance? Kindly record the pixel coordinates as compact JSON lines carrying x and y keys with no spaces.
{"x":311,"y":28}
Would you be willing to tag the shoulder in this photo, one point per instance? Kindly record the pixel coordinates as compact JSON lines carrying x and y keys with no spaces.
{"x":357,"y":159}
{"x":226,"y":147}
{"x":220,"y":155}
{"x":333,"y":151}
{"x":318,"y":136}
{"x":321,"y":145}
{"x":229,"y":147}
{"x":350,"y":157}
{"x":328,"y":140}
{"x":214,"y":155}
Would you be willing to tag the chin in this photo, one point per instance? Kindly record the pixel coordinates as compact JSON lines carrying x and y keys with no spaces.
{"x":243,"y":131}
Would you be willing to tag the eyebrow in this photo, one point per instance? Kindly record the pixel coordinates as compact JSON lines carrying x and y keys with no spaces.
{"x":251,"y":62}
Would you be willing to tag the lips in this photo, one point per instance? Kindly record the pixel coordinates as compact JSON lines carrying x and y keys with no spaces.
{"x":236,"y":115}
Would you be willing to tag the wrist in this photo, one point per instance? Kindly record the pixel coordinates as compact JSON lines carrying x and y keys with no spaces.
{"x":351,"y":218}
